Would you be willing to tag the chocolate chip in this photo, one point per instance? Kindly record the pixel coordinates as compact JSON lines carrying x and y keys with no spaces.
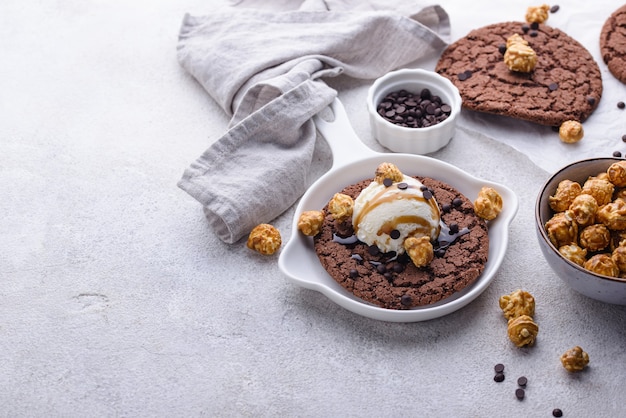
{"x":499,"y":368}
{"x":553,"y":86}
{"x":556,"y":412}
{"x":502,"y":48}
{"x":624,"y":138}
{"x":398,"y":267}
{"x":403,"y":186}
{"x":525,"y":28}
{"x":406,"y":300}
{"x":499,"y":377}
{"x":395,"y":234}
{"x":617,"y":154}
{"x":534,"y":25}
{"x":373,"y":250}
{"x":554,"y":8}
{"x":381,"y":268}
{"x":522,"y":381}
{"x":465,"y":75}
{"x":427,"y":195}
{"x":387,"y":182}
{"x":413,"y":110}
{"x":591,"y":100}
{"x":520,"y":393}
{"x":533,"y":33}
{"x":456,"y":202}
{"x":621,"y":105}
{"x":354,"y":274}
{"x":446,"y":208}
{"x":454,"y":228}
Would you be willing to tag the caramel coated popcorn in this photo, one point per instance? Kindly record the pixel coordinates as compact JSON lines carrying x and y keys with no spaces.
{"x":595,"y":237}
{"x":619,"y":257}
{"x":574,"y":253}
{"x":517,"y":303}
{"x":388,"y":171}
{"x":310,"y":222}
{"x":575,"y":359}
{"x":519,"y":56}
{"x":616,"y":173}
{"x":584,"y":208}
{"x":420,"y":250}
{"x":565,"y":194}
{"x":341,"y":206}
{"x":602,"y":264}
{"x":601,"y":190}
{"x":591,"y":231}
{"x":537,"y":14}
{"x":264,"y":239}
{"x":562,"y":229}
{"x":522,"y":331}
{"x":488,"y":204}
{"x":613,"y":215}
{"x":571,"y":131}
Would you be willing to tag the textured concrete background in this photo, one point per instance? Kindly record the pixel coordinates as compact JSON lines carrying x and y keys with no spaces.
{"x":116,"y":299}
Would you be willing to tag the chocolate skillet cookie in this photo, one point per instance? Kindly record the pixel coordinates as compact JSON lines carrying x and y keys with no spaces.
{"x":613,"y":43}
{"x":565,"y":84}
{"x":395,"y":282}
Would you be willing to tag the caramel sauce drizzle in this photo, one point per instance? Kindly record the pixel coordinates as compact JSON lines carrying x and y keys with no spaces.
{"x":392,"y":193}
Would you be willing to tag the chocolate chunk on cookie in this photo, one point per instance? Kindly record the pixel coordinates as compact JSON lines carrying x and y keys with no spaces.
{"x":566,"y":83}
{"x":613,"y":43}
{"x":394,"y":282}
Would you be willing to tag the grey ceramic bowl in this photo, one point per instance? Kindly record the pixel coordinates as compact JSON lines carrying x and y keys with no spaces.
{"x":599,"y":287}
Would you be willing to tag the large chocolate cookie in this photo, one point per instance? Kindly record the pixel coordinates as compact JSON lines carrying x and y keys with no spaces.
{"x":613,"y":43}
{"x":566,"y":83}
{"x":394,"y":282}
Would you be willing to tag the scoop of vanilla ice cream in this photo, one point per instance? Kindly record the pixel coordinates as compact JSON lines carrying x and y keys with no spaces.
{"x":386,"y":216}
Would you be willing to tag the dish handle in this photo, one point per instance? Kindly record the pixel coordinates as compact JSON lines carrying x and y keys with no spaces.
{"x":344,"y":143}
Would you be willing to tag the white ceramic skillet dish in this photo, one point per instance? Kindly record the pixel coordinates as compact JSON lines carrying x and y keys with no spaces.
{"x":354,"y":161}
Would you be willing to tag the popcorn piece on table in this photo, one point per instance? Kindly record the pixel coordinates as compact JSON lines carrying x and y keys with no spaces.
{"x":571,"y":131}
{"x":522,"y":330}
{"x":517,"y":303}
{"x":264,"y":239}
{"x":537,"y":14}
{"x":575,"y":359}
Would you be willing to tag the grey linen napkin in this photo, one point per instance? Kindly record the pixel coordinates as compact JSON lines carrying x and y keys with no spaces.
{"x":265,"y":69}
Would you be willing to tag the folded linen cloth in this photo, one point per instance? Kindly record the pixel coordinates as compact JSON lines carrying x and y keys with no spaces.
{"x":265,"y":69}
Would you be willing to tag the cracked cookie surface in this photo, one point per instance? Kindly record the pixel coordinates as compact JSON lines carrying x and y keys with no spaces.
{"x":613,"y":43}
{"x":566,"y":83}
{"x":395,"y":282}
